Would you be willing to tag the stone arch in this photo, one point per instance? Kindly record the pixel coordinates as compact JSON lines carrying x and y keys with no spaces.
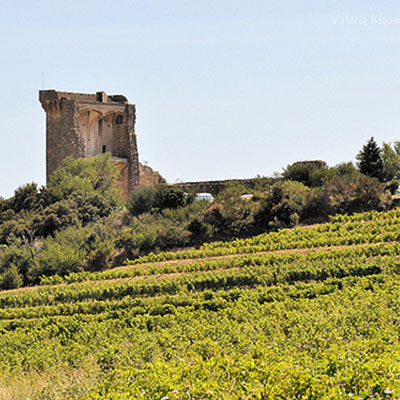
{"x":91,"y":127}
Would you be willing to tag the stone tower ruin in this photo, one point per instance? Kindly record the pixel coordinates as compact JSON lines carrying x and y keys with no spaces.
{"x":81,"y":125}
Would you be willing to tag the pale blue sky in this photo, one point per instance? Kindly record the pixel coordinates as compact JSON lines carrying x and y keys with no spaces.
{"x":223,"y":89}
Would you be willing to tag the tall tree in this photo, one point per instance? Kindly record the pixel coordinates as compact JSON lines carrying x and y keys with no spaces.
{"x":370,"y":161}
{"x":391,"y":160}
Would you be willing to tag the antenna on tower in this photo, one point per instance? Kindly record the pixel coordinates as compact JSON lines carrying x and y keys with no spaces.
{"x":43,"y":80}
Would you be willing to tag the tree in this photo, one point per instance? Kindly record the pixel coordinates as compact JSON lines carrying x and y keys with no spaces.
{"x":141,"y":201}
{"x":284,"y":207}
{"x":345,"y":169}
{"x":96,"y":174}
{"x":19,"y":256}
{"x":149,"y":199}
{"x":370,"y":161}
{"x":349,"y":194}
{"x":55,"y":217}
{"x":169,"y":197}
{"x":11,"y":278}
{"x":26,"y":197}
{"x":311,"y":174}
{"x":74,"y":249}
{"x":79,"y":209}
{"x":391,"y":161}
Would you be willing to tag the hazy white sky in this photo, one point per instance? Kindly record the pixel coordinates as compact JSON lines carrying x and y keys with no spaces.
{"x":223,"y":88}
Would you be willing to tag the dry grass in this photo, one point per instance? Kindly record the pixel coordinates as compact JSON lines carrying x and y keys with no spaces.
{"x":62,"y":384}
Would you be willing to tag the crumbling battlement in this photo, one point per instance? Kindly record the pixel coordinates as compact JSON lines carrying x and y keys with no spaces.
{"x":149,"y":177}
{"x":82,"y":125}
{"x":101,"y":97}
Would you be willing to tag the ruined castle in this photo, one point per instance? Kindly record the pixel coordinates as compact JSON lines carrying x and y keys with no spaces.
{"x":82,"y":125}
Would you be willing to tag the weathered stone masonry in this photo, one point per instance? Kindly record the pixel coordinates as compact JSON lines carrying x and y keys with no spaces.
{"x":81,"y":125}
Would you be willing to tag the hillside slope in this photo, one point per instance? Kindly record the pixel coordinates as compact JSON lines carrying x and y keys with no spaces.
{"x":307,"y":313}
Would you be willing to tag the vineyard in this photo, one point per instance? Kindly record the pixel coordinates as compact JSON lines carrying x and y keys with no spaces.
{"x":304,"y":313}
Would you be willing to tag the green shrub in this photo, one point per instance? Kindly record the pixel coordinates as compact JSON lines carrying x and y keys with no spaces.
{"x":141,"y":201}
{"x":74,"y":249}
{"x":284,"y":207}
{"x":55,"y":217}
{"x":11,"y":278}
{"x":96,"y":174}
{"x":78,"y":210}
{"x":149,"y":199}
{"x":26,"y":197}
{"x":56,"y":259}
{"x":310,"y":174}
{"x":349,"y":194}
{"x":22,"y":257}
{"x":15,"y":229}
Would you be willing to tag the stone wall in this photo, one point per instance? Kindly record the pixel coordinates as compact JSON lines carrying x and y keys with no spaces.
{"x":149,"y":177}
{"x":62,"y":131}
{"x":214,"y":187}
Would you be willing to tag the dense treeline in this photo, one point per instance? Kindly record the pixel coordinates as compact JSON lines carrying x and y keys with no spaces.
{"x":79,"y":222}
{"x":61,"y":228}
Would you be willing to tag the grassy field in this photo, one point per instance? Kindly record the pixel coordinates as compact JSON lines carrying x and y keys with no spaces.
{"x":307,"y":313}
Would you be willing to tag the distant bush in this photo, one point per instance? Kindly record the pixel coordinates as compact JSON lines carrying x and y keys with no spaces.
{"x":11,"y":278}
{"x":16,"y":228}
{"x":78,"y":210}
{"x":141,"y":201}
{"x":152,"y":232}
{"x":55,"y":217}
{"x":20,"y":256}
{"x":73,"y":250}
{"x":26,"y":197}
{"x":309,"y":173}
{"x":349,"y":194}
{"x":283,"y":207}
{"x":149,"y":199}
